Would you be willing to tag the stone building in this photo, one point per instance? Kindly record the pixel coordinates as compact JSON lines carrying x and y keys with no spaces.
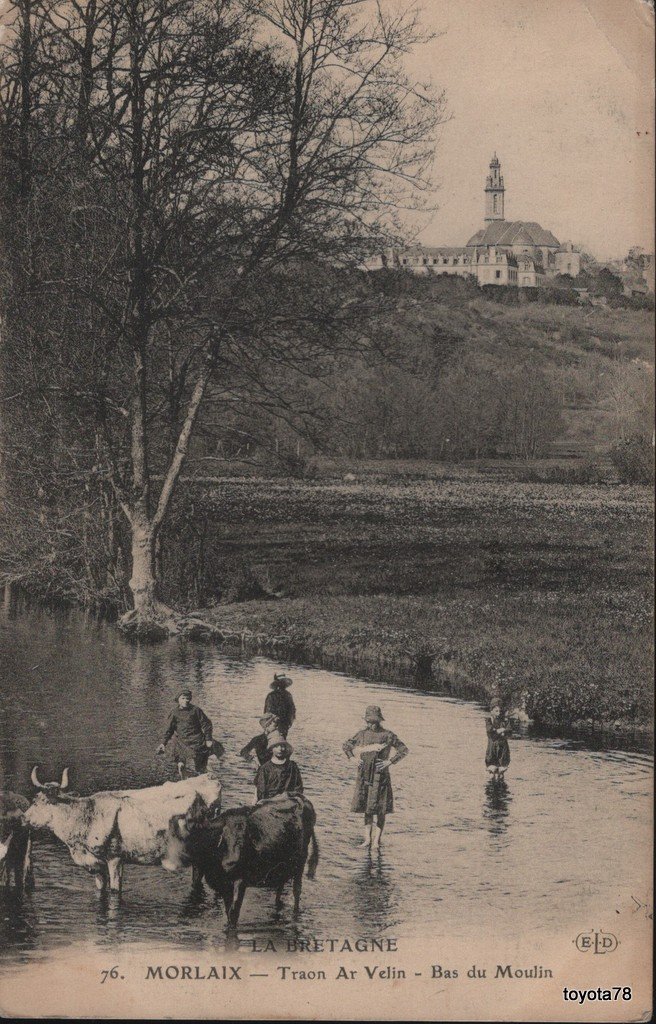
{"x":568,"y":260}
{"x":489,"y":266}
{"x":442,"y":259}
{"x":530,"y":273}
{"x":515,"y":252}
{"x":522,"y":237}
{"x":496,"y":266}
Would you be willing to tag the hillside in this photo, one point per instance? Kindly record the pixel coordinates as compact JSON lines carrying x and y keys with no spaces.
{"x":455,"y":353}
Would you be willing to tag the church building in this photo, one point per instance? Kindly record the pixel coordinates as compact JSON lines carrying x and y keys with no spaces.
{"x":522,"y":238}
{"x":508,"y":252}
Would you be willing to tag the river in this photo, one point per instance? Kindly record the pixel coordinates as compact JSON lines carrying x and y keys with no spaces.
{"x":458,"y":855}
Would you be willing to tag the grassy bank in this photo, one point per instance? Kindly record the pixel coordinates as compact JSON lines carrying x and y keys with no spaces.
{"x":539,"y":592}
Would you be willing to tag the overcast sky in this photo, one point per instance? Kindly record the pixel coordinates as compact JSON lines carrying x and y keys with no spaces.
{"x":563,"y":91}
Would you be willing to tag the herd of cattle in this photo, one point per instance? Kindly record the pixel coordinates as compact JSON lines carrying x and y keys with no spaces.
{"x":175,"y":825}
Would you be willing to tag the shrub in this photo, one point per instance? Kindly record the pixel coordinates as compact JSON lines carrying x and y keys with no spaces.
{"x":507,"y":295}
{"x":558,"y":296}
{"x":632,"y":302}
{"x":298,"y":465}
{"x":584,"y":472}
{"x":633,"y":459}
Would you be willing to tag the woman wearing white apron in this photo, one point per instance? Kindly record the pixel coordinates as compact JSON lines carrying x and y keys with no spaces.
{"x":373,"y":795}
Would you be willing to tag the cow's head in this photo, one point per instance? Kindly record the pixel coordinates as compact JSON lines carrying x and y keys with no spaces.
{"x":179,"y":839}
{"x":234,"y":839}
{"x":41,"y":809}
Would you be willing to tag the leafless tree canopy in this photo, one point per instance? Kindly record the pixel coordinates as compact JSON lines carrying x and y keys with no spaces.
{"x":184,"y":181}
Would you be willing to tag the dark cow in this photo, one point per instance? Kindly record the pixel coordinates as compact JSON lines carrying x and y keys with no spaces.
{"x":264,"y":845}
{"x":15,"y":842}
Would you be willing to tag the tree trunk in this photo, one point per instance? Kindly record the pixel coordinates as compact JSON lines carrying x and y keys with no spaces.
{"x":148,"y":619}
{"x":143,"y":579}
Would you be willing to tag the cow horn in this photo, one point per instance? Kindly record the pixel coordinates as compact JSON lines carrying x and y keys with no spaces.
{"x":64,"y":779}
{"x":35,"y":781}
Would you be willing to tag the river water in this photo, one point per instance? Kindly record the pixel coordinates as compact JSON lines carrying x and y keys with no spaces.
{"x":562,"y":840}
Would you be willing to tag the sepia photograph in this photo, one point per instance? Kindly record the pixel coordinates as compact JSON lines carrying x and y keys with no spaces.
{"x":327,"y":509}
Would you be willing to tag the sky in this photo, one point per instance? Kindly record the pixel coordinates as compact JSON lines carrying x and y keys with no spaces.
{"x":563,"y":91}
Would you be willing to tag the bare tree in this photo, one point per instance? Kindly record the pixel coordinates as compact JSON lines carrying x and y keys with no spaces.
{"x":206,"y":151}
{"x":629,"y":393}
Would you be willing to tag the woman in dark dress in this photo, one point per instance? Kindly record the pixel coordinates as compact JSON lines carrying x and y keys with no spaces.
{"x":497,"y":755}
{"x":279,"y":775}
{"x":373,"y":787}
{"x":280,"y":703}
{"x":259,"y":745}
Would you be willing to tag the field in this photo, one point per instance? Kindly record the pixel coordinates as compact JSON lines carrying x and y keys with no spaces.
{"x":541,"y":593}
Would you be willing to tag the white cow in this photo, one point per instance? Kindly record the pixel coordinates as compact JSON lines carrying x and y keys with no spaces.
{"x":107,"y":830}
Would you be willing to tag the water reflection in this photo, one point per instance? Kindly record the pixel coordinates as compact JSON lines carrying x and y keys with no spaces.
{"x":496,"y":806}
{"x":18,"y":921}
{"x":373,"y":893}
{"x":109,"y":913}
{"x":196,"y":904}
{"x":75,"y":693}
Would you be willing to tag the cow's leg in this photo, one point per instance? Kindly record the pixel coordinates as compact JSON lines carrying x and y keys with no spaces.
{"x":196,"y":879}
{"x":297,"y":885}
{"x":28,"y":870}
{"x":16,"y":870}
{"x":227,"y":902}
{"x":100,"y":879}
{"x":21,"y":864}
{"x":115,"y":871}
{"x":279,"y":896}
{"x":238,"y":898}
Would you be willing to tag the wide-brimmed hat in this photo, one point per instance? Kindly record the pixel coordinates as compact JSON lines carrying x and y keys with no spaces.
{"x":184,"y":693}
{"x":276,"y":739}
{"x":373,"y":714}
{"x":281,"y":680}
{"x":267,"y":720}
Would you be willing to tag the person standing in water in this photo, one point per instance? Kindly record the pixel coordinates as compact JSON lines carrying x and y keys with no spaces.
{"x":191,"y":731}
{"x":279,"y":775}
{"x":279,"y":702}
{"x":259,"y":745}
{"x":373,"y":795}
{"x":497,"y":755}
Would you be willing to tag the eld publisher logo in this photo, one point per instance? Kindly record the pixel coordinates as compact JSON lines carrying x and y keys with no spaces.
{"x":597,"y":941}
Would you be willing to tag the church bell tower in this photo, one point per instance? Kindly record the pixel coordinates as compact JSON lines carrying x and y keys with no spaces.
{"x":494,"y":191}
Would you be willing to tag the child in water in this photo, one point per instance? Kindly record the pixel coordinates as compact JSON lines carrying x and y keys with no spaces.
{"x":497,"y":755}
{"x":279,"y":775}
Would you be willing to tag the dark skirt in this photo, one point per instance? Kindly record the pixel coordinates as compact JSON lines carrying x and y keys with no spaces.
{"x":381,"y":802}
{"x":194,"y":759}
{"x":497,"y":753}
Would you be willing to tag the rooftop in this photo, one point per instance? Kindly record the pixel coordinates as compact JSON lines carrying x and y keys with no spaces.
{"x":514,"y":232}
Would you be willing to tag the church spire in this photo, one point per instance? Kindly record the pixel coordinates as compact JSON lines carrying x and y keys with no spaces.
{"x":494,"y":191}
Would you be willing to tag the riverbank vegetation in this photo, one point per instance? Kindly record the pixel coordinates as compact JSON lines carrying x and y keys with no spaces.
{"x":538,"y":592}
{"x":541,"y":594}
{"x":207,"y":402}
